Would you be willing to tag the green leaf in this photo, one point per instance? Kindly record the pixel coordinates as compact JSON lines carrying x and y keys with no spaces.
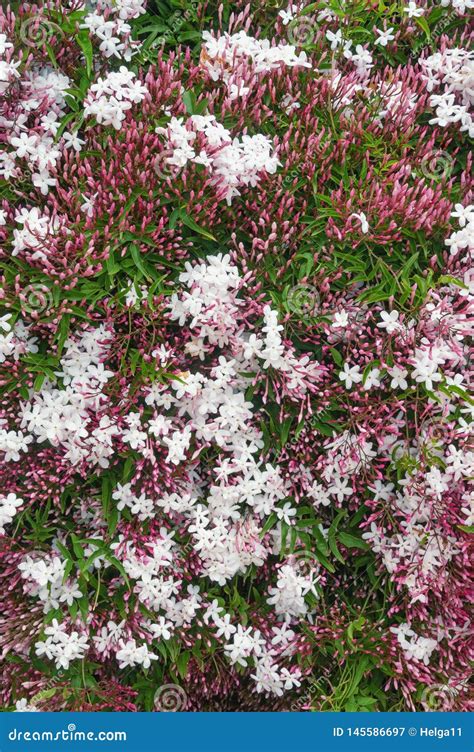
{"x":466,"y":528}
{"x":272,"y":520}
{"x":85,"y":44}
{"x":332,"y":536}
{"x":423,"y":24}
{"x":189,"y":222}
{"x":336,"y":356}
{"x":325,"y":562}
{"x":350,"y":541}
{"x":112,"y":266}
{"x":320,"y":540}
{"x":76,"y":546}
{"x":189,"y":101}
{"x":38,"y":382}
{"x":182,"y":663}
{"x":118,"y":565}
{"x":83,"y":604}
{"x":325,"y":430}
{"x":136,"y":256}
{"x":65,"y":552}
